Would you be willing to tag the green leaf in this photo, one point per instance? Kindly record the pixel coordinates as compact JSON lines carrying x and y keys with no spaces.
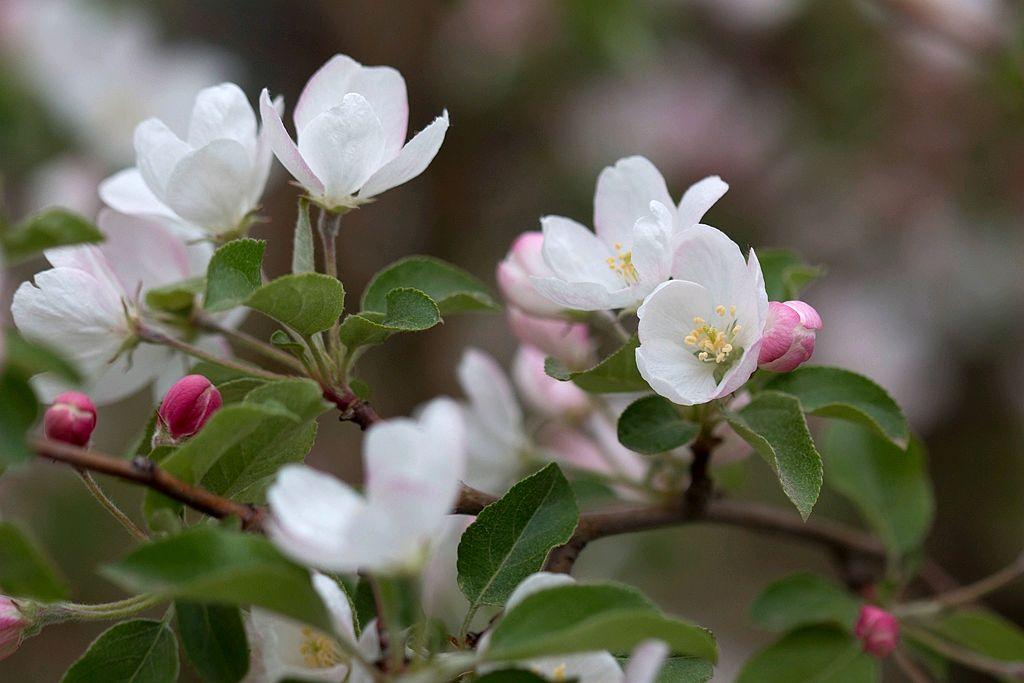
{"x":213,"y":638}
{"x":653,"y":425}
{"x":889,"y":486}
{"x":303,"y":260}
{"x":685,"y":670}
{"x":306,"y":302}
{"x":511,"y":537}
{"x":47,"y":230}
{"x":815,"y":654}
{"x":452,"y":289}
{"x":24,"y":571}
{"x":281,"y":340}
{"x":774,"y":425}
{"x":137,"y":651}
{"x":210,"y":564}
{"x":785,"y":273}
{"x":582,"y":618}
{"x":178,"y":297}
{"x":407,"y":310}
{"x":838,"y":393}
{"x":982,"y":631}
{"x":31,"y":358}
{"x":18,"y":412}
{"x":803,"y":600}
{"x":233,"y":274}
{"x":615,"y":374}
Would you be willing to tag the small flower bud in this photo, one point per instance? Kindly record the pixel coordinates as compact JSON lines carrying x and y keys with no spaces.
{"x":187,"y":406}
{"x":524,"y":260}
{"x":789,"y":336}
{"x":13,"y":624}
{"x":70,"y":419}
{"x":877,"y":630}
{"x":546,"y":394}
{"x":566,"y":341}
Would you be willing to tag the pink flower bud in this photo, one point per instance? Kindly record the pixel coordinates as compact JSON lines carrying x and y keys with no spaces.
{"x":877,"y":630}
{"x":70,"y":419}
{"x":546,"y":394}
{"x":566,"y":341}
{"x":788,"y":336}
{"x":187,"y":406}
{"x":524,"y":259}
{"x":13,"y":624}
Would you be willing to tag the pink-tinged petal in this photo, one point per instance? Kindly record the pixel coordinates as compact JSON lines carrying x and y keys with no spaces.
{"x":325,"y":89}
{"x":698,"y":199}
{"x":187,"y":406}
{"x":575,"y":254}
{"x":515,"y":285}
{"x":585,"y":296}
{"x":142,"y":253}
{"x":222,"y":111}
{"x":384,"y":88}
{"x":778,"y":331}
{"x":878,"y":631}
{"x":809,"y":317}
{"x":412,"y":160}
{"x":491,"y":396}
{"x":157,"y":151}
{"x":208,"y":186}
{"x":71,"y":419}
{"x":652,"y":245}
{"x":623,"y":195}
{"x":571,"y":447}
{"x":645,"y":662}
{"x":546,"y":394}
{"x":127,"y":192}
{"x":788,"y":341}
{"x":284,"y":147}
{"x":264,"y":158}
{"x":344,"y":146}
{"x":569,"y":342}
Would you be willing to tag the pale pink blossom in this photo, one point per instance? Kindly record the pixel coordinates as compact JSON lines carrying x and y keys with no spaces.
{"x":545,"y":394}
{"x":524,"y":261}
{"x":789,"y":335}
{"x":13,"y":624}
{"x":567,"y":341}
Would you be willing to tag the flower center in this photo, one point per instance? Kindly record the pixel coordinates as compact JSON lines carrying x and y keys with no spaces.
{"x":713,"y":343}
{"x":622,"y":265}
{"x":318,"y":650}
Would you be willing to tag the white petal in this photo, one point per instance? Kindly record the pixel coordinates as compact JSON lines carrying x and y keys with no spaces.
{"x":652,"y":251}
{"x":585,"y":296}
{"x":624,"y":193}
{"x":492,"y":398}
{"x":412,"y":160}
{"x":344,"y":146}
{"x":698,"y":199}
{"x":142,"y":253}
{"x":754,"y":268}
{"x":707,"y":256}
{"x":325,"y":89}
{"x":645,"y":662}
{"x":222,"y":111}
{"x":591,"y":667}
{"x":127,"y":192}
{"x":209,"y":186}
{"x":284,"y":147}
{"x":129,"y":373}
{"x":534,"y":583}
{"x":157,"y":151}
{"x":576,"y":254}
{"x":384,"y":88}
{"x":263,"y":160}
{"x":337,"y":605}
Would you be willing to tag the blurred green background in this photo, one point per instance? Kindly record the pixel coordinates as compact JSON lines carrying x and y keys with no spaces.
{"x":882,"y":138}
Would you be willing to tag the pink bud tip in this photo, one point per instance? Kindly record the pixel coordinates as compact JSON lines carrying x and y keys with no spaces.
{"x":789,"y":336}
{"x":523,"y":261}
{"x":188,"y":405}
{"x":12,"y":626}
{"x":878,"y":631}
{"x":70,"y":419}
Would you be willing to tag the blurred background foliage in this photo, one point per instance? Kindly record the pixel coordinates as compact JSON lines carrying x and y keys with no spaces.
{"x":882,"y":138}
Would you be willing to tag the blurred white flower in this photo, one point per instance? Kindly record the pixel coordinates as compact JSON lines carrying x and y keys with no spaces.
{"x":524,"y":260}
{"x":567,"y":341}
{"x":350,"y":122}
{"x":81,"y":305}
{"x":700,"y":334}
{"x":69,"y":182}
{"x":413,"y":468}
{"x":545,"y":394}
{"x":594,"y":446}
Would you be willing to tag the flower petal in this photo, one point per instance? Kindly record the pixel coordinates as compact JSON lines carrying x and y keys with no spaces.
{"x":209,"y":186}
{"x":623,"y":195}
{"x":652,"y":245}
{"x":142,"y":253}
{"x":534,"y":583}
{"x":491,"y":397}
{"x":157,"y":151}
{"x":284,"y":147}
{"x":337,"y":605}
{"x":576,"y":254}
{"x":707,"y":256}
{"x":127,"y":192}
{"x":412,"y":160}
{"x":222,"y":111}
{"x":585,"y":296}
{"x":344,"y":146}
{"x":698,"y":199}
{"x":384,"y":88}
{"x":645,"y":662}
{"x":325,"y":89}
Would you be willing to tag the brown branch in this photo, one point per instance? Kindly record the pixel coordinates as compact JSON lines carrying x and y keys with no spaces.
{"x":352,"y":408}
{"x":144,"y":471}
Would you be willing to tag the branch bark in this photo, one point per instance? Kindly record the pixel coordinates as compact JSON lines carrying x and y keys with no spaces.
{"x":352,"y":408}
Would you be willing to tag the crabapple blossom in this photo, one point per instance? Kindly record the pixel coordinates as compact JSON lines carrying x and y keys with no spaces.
{"x":86,"y":304}
{"x":545,"y":394}
{"x":70,"y":419}
{"x":789,"y":336}
{"x":567,"y":341}
{"x":878,"y":631}
{"x":700,"y":334}
{"x":13,"y":624}
{"x":213,"y":178}
{"x":593,"y":446}
{"x":187,"y":406}
{"x":413,"y":468}
{"x":350,"y":122}
{"x":524,"y":261}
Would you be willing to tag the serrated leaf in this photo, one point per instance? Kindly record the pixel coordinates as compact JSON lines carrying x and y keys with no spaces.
{"x":785,"y":273}
{"x":47,"y":230}
{"x":137,"y":651}
{"x":511,"y":537}
{"x":24,"y":571}
{"x":582,"y":618}
{"x":653,"y":425}
{"x":838,"y":393}
{"x":816,"y":654}
{"x":982,"y":631}
{"x":303,"y":260}
{"x":803,"y":600}
{"x":889,"y":486}
{"x":306,"y":302}
{"x":408,"y":310}
{"x":774,"y":425}
{"x":681,"y":670}
{"x":615,"y":374}
{"x":213,"y":639}
{"x":209,"y":564}
{"x":452,"y":289}
{"x":178,"y":297}
{"x":234,"y":274}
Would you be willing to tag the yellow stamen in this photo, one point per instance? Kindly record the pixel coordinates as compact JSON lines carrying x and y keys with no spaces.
{"x":318,"y":650}
{"x":720,"y":310}
{"x":560,"y":672}
{"x":713,"y":344}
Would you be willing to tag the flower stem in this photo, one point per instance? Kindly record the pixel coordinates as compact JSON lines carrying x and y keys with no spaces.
{"x":329,"y":227}
{"x":60,"y":612}
{"x":250,"y":342}
{"x":607,"y":321}
{"x":157,"y":337}
{"x":965,"y":594}
{"x":110,"y":506}
{"x":996,"y":667}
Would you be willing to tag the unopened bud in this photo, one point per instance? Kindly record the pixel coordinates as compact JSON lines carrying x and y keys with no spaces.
{"x":789,"y":336}
{"x":187,"y":406}
{"x":568,"y":342}
{"x":878,"y":631}
{"x":524,"y":260}
{"x":546,"y":394}
{"x":13,"y":624}
{"x":70,"y":419}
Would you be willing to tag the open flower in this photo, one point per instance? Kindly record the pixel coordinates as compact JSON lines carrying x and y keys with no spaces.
{"x":700,"y":335}
{"x":525,"y":260}
{"x":214,"y":178}
{"x":412,"y":470}
{"x":350,"y":122}
{"x":13,"y":625}
{"x":84,"y":305}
